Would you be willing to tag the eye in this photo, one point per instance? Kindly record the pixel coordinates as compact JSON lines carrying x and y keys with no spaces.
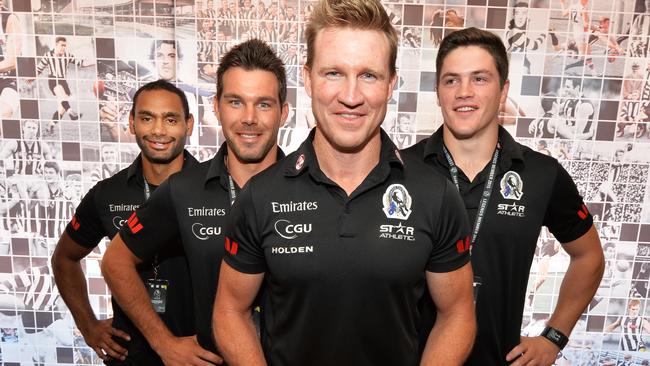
{"x":449,"y":81}
{"x":171,"y":121}
{"x":332,"y":74}
{"x":265,"y":105}
{"x":480,"y":79}
{"x":145,"y":118}
{"x":234,"y":103}
{"x":368,"y":76}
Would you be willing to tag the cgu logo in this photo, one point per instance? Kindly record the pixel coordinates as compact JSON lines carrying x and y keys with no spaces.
{"x":287,"y":230}
{"x":204,"y":232}
{"x":118,"y":222}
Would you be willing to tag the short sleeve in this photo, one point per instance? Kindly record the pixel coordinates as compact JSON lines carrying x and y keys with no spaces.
{"x":86,"y":227}
{"x":567,"y":217}
{"x":243,"y":245}
{"x":154,"y":225}
{"x":452,"y":240}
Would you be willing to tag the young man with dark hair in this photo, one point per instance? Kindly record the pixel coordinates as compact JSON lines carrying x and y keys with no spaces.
{"x":510,"y":192}
{"x":161,"y":121}
{"x":346,"y":235}
{"x":189,"y":211}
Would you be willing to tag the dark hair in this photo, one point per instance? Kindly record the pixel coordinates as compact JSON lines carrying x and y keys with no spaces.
{"x":547,"y":101}
{"x":59,"y":39}
{"x":253,"y":54}
{"x":159,"y":42}
{"x":520,"y":4}
{"x":161,"y":84}
{"x":52,"y":165}
{"x":355,"y":14}
{"x":475,"y":37}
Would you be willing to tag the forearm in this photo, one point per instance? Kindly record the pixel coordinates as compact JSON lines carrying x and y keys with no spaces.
{"x":71,"y":282}
{"x":578,"y":288}
{"x":451,"y":338}
{"x":236,"y":338}
{"x":131,"y":294}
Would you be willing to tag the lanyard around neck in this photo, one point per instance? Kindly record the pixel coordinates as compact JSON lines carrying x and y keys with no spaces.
{"x":487,"y":191}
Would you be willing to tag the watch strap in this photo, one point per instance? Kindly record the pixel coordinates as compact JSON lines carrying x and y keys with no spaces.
{"x":555,"y":336}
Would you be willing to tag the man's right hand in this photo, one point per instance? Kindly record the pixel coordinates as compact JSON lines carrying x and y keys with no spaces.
{"x":99,"y":337}
{"x":186,"y":351}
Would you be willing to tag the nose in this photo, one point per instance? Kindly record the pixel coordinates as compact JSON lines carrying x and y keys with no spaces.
{"x":350,"y":94}
{"x":158,"y":127}
{"x":249,"y":117}
{"x":465,"y":89}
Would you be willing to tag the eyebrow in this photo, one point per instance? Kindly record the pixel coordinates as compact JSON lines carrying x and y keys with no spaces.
{"x":474,"y":72}
{"x":153,"y":114}
{"x":262,"y":98}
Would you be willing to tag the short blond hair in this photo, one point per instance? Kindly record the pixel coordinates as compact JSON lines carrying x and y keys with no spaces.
{"x":357,"y":14}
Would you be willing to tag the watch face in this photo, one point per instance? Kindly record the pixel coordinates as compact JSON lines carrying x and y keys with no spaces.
{"x":553,"y":334}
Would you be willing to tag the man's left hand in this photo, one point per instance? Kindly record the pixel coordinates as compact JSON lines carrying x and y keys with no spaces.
{"x":533,"y":351}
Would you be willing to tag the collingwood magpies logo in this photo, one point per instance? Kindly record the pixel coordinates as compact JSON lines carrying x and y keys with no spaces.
{"x":512,"y":187}
{"x":397,"y":202}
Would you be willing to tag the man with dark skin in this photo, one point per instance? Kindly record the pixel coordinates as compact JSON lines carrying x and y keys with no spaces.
{"x":160,"y":121}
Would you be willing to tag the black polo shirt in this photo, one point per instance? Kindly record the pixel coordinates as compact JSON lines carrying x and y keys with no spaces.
{"x":189,"y":210}
{"x":102,"y":212}
{"x":530,"y":190}
{"x":344,"y":273}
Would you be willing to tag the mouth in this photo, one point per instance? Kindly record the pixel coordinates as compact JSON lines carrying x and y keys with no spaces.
{"x":465,"y":109}
{"x":248,"y":136}
{"x":159,"y":144}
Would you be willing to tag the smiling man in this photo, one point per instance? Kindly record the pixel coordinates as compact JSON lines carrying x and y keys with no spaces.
{"x":346,"y":236}
{"x":510,"y":192}
{"x":161,"y":121}
{"x":189,"y":211}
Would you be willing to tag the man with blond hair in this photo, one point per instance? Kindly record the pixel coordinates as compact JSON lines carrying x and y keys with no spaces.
{"x":346,"y":235}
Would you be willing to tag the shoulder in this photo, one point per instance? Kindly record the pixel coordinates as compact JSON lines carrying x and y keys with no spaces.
{"x":117,"y":181}
{"x":193,"y":175}
{"x":276,"y":173}
{"x":416,"y":150}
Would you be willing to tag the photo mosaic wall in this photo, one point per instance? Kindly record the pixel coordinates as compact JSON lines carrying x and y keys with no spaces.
{"x":580,"y":91}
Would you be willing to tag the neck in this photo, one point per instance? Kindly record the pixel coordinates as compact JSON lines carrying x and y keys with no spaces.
{"x":242,"y":171}
{"x":472,"y":154}
{"x":347,"y":169}
{"x":155,"y":174}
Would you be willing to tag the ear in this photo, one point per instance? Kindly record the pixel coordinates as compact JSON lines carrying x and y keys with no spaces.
{"x":190,"y":125}
{"x":215,"y":107}
{"x":504,"y":92}
{"x":391,"y":85}
{"x":285,"y":114}
{"x":306,"y":75}
{"x":131,"y":124}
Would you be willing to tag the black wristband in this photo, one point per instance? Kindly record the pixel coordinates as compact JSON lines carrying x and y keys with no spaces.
{"x":558,"y":338}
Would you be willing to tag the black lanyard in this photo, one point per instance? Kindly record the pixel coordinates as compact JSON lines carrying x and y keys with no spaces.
{"x":233,"y":192}
{"x":487,"y":191}
{"x":154,"y":263}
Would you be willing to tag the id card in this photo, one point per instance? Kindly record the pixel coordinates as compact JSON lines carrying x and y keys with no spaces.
{"x":477,"y":283}
{"x":157,"y":289}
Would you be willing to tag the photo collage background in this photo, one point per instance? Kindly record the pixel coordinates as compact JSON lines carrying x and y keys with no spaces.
{"x":579,"y":91}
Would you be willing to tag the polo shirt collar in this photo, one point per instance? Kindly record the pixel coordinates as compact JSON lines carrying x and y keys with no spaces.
{"x":305,"y":157}
{"x":135,"y":169}
{"x":511,"y":151}
{"x":218,"y":167}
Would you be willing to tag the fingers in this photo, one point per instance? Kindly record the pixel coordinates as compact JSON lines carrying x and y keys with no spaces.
{"x":516,"y":352}
{"x":114,"y":350}
{"x":119,"y":333}
{"x":100,"y":353}
{"x":209,"y":356}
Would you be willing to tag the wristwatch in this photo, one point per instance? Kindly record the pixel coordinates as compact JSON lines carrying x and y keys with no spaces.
{"x":558,"y":338}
